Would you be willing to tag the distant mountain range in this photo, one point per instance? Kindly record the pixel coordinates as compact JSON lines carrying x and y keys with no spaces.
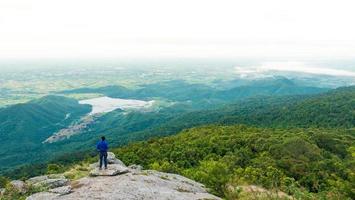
{"x":178,"y":90}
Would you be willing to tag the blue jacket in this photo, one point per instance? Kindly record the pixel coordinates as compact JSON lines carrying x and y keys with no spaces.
{"x":102,"y":146}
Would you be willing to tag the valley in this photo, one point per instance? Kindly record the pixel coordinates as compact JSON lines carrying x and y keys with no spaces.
{"x":61,"y":127}
{"x":99,"y":106}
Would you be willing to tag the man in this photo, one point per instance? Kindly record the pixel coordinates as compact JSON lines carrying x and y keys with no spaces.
{"x":102,"y":147}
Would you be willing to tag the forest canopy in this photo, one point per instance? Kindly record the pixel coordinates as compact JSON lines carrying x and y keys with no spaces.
{"x":301,"y":162}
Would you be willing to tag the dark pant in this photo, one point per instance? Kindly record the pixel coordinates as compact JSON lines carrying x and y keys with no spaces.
{"x":103,"y":158}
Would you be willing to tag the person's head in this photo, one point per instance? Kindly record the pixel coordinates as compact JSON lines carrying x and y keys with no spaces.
{"x":103,"y":138}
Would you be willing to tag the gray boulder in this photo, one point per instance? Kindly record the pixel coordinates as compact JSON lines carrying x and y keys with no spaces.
{"x":51,"y":194}
{"x":20,"y":186}
{"x":43,"y":196}
{"x":62,"y":190}
{"x":49,"y":181}
{"x":36,"y":179}
{"x":52,"y":183}
{"x":136,"y":167}
{"x":112,"y":170}
{"x":111,"y":159}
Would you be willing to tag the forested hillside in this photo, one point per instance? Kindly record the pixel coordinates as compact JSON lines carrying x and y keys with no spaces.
{"x":332,"y":109}
{"x":24,"y":126}
{"x":305,"y":163}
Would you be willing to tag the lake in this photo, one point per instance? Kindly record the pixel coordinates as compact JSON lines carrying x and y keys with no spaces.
{"x":108,"y":104}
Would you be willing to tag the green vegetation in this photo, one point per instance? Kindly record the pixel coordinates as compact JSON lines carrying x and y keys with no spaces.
{"x":23,"y":127}
{"x":180,"y":91}
{"x":22,"y":85}
{"x":332,"y":109}
{"x":3,"y":181}
{"x":12,"y":193}
{"x":305,"y":163}
{"x":298,"y":145}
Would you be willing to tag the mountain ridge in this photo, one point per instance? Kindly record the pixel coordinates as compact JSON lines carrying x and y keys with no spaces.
{"x":24,"y":126}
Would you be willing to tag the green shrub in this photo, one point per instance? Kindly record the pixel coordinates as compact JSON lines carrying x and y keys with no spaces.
{"x":54,"y":169}
{"x":3,"y":181}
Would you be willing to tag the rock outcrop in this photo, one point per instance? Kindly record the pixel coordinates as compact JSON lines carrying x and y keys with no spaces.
{"x":20,"y":186}
{"x":112,"y":170}
{"x":128,"y":184}
{"x":136,"y":167}
{"x":111,"y":159}
{"x":61,"y":190}
{"x":48,"y":181}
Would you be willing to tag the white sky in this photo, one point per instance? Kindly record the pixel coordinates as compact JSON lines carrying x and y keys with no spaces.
{"x":180,"y":28}
{"x":291,"y":66}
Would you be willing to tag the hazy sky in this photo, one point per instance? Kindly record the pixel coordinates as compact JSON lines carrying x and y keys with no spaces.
{"x":180,"y":28}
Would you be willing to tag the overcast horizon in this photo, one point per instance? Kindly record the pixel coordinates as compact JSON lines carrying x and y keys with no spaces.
{"x":40,"y":29}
